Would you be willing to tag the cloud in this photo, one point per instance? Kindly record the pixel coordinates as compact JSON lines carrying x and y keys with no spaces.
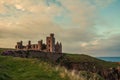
{"x":102,"y":47}
{"x":102,"y":3}
{"x":35,"y":19}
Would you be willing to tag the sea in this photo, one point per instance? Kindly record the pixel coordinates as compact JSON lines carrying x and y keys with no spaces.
{"x":112,"y":59}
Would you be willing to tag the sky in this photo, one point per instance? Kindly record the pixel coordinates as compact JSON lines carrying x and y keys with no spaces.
{"x":89,"y":27}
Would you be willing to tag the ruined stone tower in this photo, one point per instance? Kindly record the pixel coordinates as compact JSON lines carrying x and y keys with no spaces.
{"x":29,"y":45}
{"x":50,"y":45}
{"x":50,"y":41}
{"x":19,"y":45}
{"x":40,"y":43}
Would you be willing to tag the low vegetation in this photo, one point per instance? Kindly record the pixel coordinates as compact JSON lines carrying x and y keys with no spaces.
{"x":12,"y":68}
{"x":15,"y":68}
{"x":86,"y":58}
{"x":4,"y":49}
{"x":27,"y":69}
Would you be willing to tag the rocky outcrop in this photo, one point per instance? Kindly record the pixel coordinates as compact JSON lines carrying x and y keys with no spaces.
{"x":110,"y":74}
{"x":107,"y":74}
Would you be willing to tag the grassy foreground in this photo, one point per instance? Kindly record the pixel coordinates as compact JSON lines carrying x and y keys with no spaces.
{"x":12,"y":68}
{"x":27,"y":69}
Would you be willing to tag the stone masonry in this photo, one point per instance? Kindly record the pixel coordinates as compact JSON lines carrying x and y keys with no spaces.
{"x":50,"y":45}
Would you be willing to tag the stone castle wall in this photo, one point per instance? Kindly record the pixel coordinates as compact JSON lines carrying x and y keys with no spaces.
{"x":50,"y":45}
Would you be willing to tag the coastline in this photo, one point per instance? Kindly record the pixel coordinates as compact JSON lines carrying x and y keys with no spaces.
{"x":110,"y":59}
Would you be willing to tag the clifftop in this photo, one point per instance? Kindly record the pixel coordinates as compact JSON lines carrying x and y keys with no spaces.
{"x":78,"y":62}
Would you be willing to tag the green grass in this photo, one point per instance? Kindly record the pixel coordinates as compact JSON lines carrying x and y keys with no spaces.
{"x":1,"y":50}
{"x":86,"y":58}
{"x":12,"y":68}
{"x":27,"y":69}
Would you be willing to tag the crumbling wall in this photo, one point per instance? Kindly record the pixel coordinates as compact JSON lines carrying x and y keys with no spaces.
{"x":33,"y":54}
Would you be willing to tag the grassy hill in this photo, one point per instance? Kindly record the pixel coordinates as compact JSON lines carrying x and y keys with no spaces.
{"x":12,"y":68}
{"x":86,"y":58}
{"x":27,"y":69}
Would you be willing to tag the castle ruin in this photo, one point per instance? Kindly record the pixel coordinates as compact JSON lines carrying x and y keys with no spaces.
{"x":50,"y":45}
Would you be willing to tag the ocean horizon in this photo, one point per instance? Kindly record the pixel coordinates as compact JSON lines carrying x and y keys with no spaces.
{"x":112,"y":59}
